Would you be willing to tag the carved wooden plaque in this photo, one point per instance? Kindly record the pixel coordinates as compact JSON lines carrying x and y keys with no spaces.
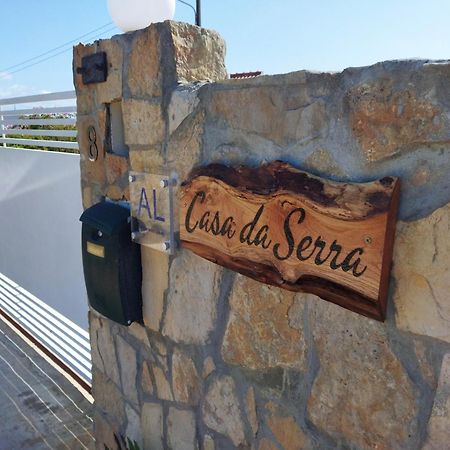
{"x":290,"y":229}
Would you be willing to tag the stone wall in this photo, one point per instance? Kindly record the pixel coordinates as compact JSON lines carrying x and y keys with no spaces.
{"x":222,"y":361}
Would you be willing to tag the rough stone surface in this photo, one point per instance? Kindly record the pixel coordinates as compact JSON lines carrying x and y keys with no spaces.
{"x":133,"y":430}
{"x":185,"y":379}
{"x":181,"y":430}
{"x":439,"y":425}
{"x":139,"y":332}
{"x":182,"y":103}
{"x":199,"y":53}
{"x":152,"y":426}
{"x":128,"y":367}
{"x":147,"y":383}
{"x":267,"y":444}
{"x":102,"y":347}
{"x":185,"y":144}
{"x":104,"y":433}
{"x":362,"y":392}
{"x":208,"y":443}
{"x":143,"y":122}
{"x":155,"y":282}
{"x":149,"y":160}
{"x":258,"y":334}
{"x":191,"y":309}
{"x":221,"y":410}
{"x":108,"y":398}
{"x":112,"y":90}
{"x":422,"y":275}
{"x":144,"y":72}
{"x":208,"y":367}
{"x":386,"y":120}
{"x":162,"y":384}
{"x":286,"y":430}
{"x":250,"y":409}
{"x":116,"y":167}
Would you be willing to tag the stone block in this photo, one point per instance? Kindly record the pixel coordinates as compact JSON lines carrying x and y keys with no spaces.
{"x":104,"y":433}
{"x":192,"y":309}
{"x":208,"y":367}
{"x":267,"y":444}
{"x":186,"y":382}
{"x":86,"y":93}
{"x":143,"y":122}
{"x":386,"y":119}
{"x":112,"y":88}
{"x":181,"y":430}
{"x":140,"y":333}
{"x":250,"y":409}
{"x":422,"y":275}
{"x":162,"y":384}
{"x":128,"y":369}
{"x":362,"y":395}
{"x":116,"y":167}
{"x":285,"y":429}
{"x":144,"y":72}
{"x":185,"y":144}
{"x":108,"y":398}
{"x":199,"y":54}
{"x":87,"y":197}
{"x":221,"y":410}
{"x":439,"y":424}
{"x":150,"y":160}
{"x":183,"y":101}
{"x":152,"y":426}
{"x":114,"y":192}
{"x":155,"y":282}
{"x":270,"y":112}
{"x":259,"y":334}
{"x":146,"y":380}
{"x":133,"y":431}
{"x":102,"y":347}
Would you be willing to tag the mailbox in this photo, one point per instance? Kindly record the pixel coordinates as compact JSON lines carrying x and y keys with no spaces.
{"x":111,"y":263}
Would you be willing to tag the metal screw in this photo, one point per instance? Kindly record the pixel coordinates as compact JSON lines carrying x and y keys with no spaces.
{"x":99,"y":233}
{"x":368,"y":240}
{"x":164,"y":183}
{"x":131,"y":178}
{"x":165,"y":246}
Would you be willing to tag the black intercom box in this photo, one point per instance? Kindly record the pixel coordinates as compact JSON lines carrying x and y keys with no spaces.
{"x":111,"y":263}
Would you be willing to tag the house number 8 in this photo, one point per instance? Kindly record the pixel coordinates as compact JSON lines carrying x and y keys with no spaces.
{"x":93,"y":149}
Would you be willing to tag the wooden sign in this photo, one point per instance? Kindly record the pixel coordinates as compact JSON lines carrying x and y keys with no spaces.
{"x":290,"y":229}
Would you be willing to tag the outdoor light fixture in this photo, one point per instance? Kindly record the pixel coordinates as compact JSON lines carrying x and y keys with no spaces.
{"x":130,"y":15}
{"x":197,"y":10}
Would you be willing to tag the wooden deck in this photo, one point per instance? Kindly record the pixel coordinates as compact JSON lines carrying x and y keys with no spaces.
{"x":39,"y":407}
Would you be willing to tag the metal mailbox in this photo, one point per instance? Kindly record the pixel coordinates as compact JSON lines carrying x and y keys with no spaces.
{"x":111,"y":263}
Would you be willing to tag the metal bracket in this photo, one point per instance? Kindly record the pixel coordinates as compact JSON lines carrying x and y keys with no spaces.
{"x":94,"y":68}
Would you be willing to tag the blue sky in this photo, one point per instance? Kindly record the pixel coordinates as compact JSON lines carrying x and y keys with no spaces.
{"x":274,"y":36}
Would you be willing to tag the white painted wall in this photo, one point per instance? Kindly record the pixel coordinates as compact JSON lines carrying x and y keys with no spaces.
{"x":40,"y":204}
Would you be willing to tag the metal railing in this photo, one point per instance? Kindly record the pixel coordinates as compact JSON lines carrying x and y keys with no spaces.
{"x":18,"y":123}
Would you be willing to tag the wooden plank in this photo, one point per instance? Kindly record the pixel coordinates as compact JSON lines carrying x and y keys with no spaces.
{"x":287,"y":228}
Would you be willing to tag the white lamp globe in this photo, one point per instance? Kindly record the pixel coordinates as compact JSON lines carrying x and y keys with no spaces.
{"x":130,"y":15}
